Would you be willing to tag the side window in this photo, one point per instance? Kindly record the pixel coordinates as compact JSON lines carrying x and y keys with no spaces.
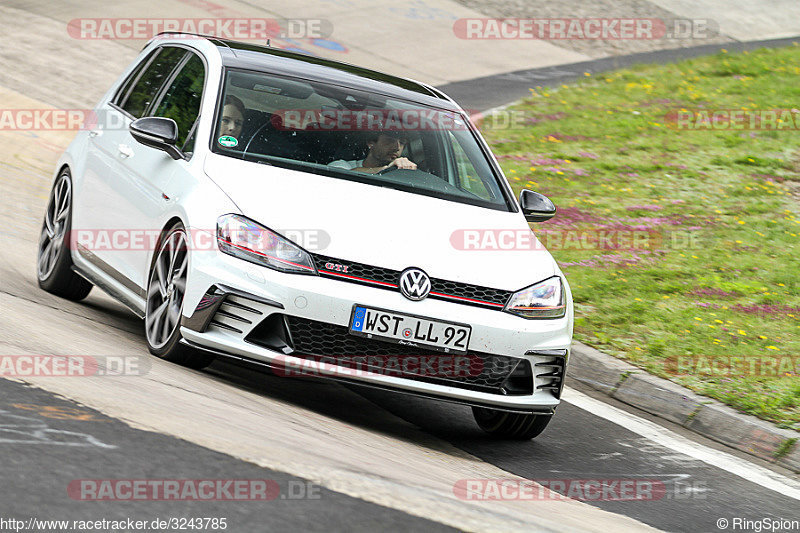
{"x":181,"y":100}
{"x":148,"y":84}
{"x":119,"y":98}
{"x":468,"y":177}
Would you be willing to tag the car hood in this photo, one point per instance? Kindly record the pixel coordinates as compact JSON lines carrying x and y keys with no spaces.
{"x":382,"y":227}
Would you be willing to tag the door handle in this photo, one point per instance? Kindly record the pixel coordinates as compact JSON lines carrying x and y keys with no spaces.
{"x":95,"y":133}
{"x":125,"y":150}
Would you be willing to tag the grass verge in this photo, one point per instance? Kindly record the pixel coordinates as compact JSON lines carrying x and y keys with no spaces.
{"x":709,"y":295}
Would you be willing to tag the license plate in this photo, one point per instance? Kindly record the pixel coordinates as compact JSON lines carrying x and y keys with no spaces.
{"x":409,"y":329}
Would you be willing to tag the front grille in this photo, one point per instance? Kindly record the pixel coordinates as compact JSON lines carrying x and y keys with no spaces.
{"x":320,"y":341}
{"x":387,"y":278}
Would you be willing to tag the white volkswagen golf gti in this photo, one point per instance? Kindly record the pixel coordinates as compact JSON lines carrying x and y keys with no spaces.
{"x":307,"y":216}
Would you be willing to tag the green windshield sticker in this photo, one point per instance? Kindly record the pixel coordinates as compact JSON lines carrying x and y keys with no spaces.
{"x":227,"y":141}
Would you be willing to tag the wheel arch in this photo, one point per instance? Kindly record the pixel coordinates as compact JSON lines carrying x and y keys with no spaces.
{"x":62,"y":168}
{"x":173,"y":221}
{"x":69,"y":160}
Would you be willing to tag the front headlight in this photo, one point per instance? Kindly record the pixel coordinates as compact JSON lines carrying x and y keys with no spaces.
{"x":245,"y":239}
{"x":542,"y":300}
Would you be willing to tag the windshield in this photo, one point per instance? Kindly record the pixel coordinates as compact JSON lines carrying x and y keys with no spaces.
{"x":350,"y":134}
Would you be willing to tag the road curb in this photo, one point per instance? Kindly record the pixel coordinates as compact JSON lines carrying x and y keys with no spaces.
{"x":663,"y":398}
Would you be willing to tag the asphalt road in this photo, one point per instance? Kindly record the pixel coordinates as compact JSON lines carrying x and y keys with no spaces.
{"x":49,"y":442}
{"x":581,"y":445}
{"x":380,"y":461}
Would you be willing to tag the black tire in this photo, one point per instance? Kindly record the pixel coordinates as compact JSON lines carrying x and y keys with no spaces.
{"x":164,"y":305}
{"x":506,"y":425}
{"x":53,"y":262}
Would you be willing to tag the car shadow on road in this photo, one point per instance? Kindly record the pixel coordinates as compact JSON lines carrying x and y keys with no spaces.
{"x":355,"y":405}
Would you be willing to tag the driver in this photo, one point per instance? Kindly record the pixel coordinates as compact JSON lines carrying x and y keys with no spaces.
{"x":384,"y":151}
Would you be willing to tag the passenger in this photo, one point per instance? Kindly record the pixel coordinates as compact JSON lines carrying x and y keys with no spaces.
{"x":384,"y":151}
{"x":232,"y":117}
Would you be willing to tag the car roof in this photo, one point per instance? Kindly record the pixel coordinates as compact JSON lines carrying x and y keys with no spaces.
{"x":249,"y":56}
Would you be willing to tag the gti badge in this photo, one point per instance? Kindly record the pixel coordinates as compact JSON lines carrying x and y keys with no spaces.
{"x":414,"y":284}
{"x":336,"y":267}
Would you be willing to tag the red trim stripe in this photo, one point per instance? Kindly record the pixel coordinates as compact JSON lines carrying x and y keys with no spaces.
{"x":394,"y":285}
{"x":467,"y":299}
{"x":359,"y":279}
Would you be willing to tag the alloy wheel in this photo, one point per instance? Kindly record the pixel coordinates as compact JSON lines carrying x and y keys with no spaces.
{"x":166,"y":289}
{"x":51,"y":239}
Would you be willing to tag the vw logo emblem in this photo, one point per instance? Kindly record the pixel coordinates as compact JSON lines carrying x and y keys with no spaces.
{"x":415,"y":284}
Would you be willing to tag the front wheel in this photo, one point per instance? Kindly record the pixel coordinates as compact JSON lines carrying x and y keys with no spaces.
{"x":165,"y":292}
{"x":518,"y":426}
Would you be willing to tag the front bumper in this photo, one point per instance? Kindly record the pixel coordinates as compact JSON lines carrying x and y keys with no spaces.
{"x":227,"y":299}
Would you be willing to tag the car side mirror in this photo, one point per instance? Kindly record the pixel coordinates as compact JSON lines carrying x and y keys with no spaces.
{"x":159,"y":133}
{"x":536,"y":206}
